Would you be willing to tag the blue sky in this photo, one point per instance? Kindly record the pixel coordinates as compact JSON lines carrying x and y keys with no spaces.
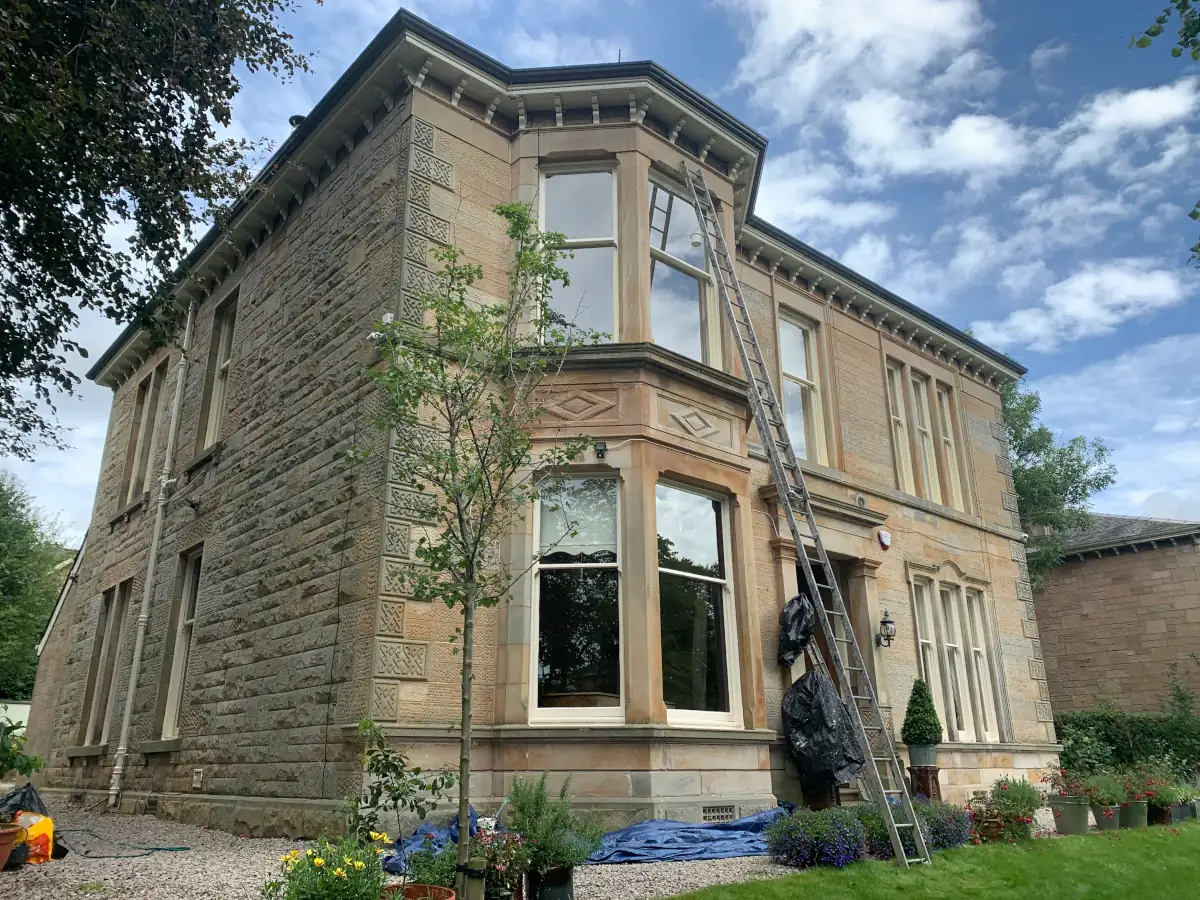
{"x":1011,"y":166}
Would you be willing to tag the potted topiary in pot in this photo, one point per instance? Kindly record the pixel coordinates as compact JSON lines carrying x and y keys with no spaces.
{"x":1105,"y":793}
{"x":558,"y":837}
{"x":922,"y":730}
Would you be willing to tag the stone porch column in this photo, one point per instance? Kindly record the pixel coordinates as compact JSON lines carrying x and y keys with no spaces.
{"x":865,"y":613}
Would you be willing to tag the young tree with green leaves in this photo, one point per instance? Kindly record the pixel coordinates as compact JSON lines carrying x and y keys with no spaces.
{"x":1055,"y":480}
{"x":1187,"y":42}
{"x":462,"y":386}
{"x":110,"y":113}
{"x":29,"y":585}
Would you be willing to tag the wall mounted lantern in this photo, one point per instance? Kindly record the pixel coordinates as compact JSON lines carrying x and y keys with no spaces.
{"x":887,"y":631}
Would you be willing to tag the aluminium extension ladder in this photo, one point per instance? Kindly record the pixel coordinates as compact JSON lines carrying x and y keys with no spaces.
{"x":850,"y":675}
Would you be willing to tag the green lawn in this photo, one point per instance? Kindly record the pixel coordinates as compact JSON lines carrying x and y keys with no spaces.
{"x":1153,"y":864}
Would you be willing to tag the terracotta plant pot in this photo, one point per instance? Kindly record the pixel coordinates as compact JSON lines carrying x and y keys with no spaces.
{"x":417,"y":892}
{"x":1070,"y":814}
{"x":1108,"y":818}
{"x":1133,"y":814}
{"x":9,"y":835}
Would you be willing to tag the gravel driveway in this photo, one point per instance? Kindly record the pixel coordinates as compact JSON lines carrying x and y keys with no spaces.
{"x":219,"y":865}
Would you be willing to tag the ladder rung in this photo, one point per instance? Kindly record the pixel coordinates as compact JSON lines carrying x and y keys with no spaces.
{"x":886,"y":759}
{"x":859,"y":697}
{"x":903,"y":824}
{"x":918,"y":860}
{"x":896,"y":791}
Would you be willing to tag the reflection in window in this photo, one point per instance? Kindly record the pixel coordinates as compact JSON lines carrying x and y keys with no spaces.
{"x":895,"y":389}
{"x":925,"y":447}
{"x":681,"y":317}
{"x":801,"y":401}
{"x":953,"y":480}
{"x":581,"y":206}
{"x":579,"y":652}
{"x":692,"y":598}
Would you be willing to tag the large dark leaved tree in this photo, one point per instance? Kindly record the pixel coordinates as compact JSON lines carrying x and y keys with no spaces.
{"x":30,"y":578}
{"x":1188,"y":41}
{"x":111,"y":118}
{"x":1055,"y":479}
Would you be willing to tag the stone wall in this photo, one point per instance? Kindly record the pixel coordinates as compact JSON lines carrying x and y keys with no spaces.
{"x":1111,"y":626}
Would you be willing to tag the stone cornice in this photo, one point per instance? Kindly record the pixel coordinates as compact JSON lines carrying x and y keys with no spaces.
{"x":652,"y":356}
{"x":833,"y":507}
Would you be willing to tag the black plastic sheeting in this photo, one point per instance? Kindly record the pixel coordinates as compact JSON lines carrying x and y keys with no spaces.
{"x":23,"y":799}
{"x":819,"y":733}
{"x":797,"y":620}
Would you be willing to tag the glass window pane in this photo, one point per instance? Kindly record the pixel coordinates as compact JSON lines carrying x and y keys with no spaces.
{"x":580,"y":204}
{"x":689,"y":532}
{"x":795,"y":406}
{"x":587,"y":302}
{"x":675,"y":307}
{"x":579,"y":522}
{"x":674,"y":227}
{"x":579,"y":656}
{"x":793,"y":350}
{"x":693,"y":644}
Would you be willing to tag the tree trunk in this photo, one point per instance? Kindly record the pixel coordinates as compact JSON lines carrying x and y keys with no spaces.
{"x":464,"y":755}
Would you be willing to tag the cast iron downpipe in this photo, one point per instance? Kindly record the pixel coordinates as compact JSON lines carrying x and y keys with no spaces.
{"x":160,"y":513}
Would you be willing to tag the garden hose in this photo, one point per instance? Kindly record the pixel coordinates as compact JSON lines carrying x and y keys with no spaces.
{"x":87,"y":854}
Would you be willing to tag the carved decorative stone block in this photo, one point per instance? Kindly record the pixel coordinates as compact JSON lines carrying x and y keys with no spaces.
{"x":383,"y":701}
{"x":401,"y":659}
{"x":1004,"y":465}
{"x":1043,"y":711}
{"x":1037,"y":670}
{"x":391,"y":618}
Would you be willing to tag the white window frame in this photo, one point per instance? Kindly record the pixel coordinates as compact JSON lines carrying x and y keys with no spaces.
{"x":948,"y":438}
{"x":926,"y":449}
{"x":901,"y":443}
{"x":963,"y":645}
{"x":554,"y":171}
{"x":224,"y":326}
{"x":809,"y":382}
{"x":193,"y":563}
{"x":113,"y":613}
{"x":692,"y":718}
{"x":556,"y":715}
{"x":711,"y":350}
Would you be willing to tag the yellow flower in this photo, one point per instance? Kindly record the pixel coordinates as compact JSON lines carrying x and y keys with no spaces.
{"x":308,"y":852}
{"x":318,"y":862}
{"x":294,"y":854}
{"x":284,"y":858}
{"x":359,"y":865}
{"x":381,"y":850}
{"x":347,"y":860}
{"x":378,"y":836}
{"x":339,"y":872}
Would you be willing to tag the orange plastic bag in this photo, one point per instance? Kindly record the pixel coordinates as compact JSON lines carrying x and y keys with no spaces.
{"x":39,"y":835}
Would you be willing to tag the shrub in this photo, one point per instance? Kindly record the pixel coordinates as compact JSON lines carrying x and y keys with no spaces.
{"x":12,"y":754}
{"x":347,"y":870}
{"x":506,"y":858}
{"x":1084,"y":752}
{"x":944,"y":825}
{"x":559,"y":837}
{"x":1104,"y":790}
{"x":921,"y":724}
{"x":431,"y":866}
{"x":1012,"y":801}
{"x":828,"y":837}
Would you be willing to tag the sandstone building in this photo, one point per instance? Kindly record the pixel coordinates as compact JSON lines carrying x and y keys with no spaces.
{"x":1120,"y":610}
{"x":276,"y":620}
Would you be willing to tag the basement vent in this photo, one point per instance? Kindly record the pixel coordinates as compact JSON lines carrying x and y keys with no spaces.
{"x":718,"y":814}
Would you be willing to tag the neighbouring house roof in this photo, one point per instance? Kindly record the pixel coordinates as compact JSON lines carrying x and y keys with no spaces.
{"x":408,"y":49}
{"x":1116,"y":533}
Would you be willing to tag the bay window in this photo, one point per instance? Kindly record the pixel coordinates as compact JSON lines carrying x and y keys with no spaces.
{"x":582,"y":206}
{"x":696,"y":621}
{"x":577,"y":670}
{"x":682,"y":307}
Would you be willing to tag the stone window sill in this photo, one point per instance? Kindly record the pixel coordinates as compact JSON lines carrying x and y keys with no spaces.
{"x":127,"y":511}
{"x":212,"y":454}
{"x":169,"y":745}
{"x":85,"y":752}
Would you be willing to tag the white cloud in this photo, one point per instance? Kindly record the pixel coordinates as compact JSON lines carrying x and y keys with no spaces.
{"x":1092,"y":301}
{"x":1021,"y":278}
{"x":806,"y":55}
{"x":1047,"y":54}
{"x":551,"y":48}
{"x":1126,"y":401}
{"x":974,"y":72}
{"x":1094,"y":134}
{"x":799,"y":194}
{"x":871,"y":255}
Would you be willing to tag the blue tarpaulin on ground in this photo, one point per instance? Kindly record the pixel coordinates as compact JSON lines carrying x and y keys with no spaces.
{"x":437,"y":837}
{"x":661,"y":840}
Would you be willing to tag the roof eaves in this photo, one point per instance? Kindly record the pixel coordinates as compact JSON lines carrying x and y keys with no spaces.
{"x":1192,"y":532}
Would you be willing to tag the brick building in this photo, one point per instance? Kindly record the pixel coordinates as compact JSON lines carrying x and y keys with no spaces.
{"x":1123,"y":606}
{"x":275,"y":621}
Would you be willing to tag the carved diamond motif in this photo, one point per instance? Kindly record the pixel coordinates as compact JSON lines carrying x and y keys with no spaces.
{"x":576,"y":406}
{"x":391,"y":618}
{"x":400,"y":659}
{"x":693,"y":422}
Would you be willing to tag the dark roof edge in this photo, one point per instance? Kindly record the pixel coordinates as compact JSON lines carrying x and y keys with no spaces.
{"x":1166,"y":534}
{"x":779,"y":235}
